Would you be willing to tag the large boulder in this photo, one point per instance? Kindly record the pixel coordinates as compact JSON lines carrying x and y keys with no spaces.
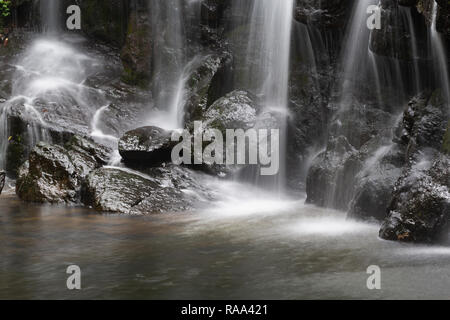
{"x":146,"y":147}
{"x":420,"y":208}
{"x":165,"y":189}
{"x":375,"y":182}
{"x":236,"y":110}
{"x":336,"y":166}
{"x":53,"y":173}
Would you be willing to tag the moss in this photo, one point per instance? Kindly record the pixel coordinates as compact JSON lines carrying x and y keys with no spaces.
{"x":437,"y":98}
{"x":131,"y":77}
{"x":446,"y":143}
{"x":105,"y":20}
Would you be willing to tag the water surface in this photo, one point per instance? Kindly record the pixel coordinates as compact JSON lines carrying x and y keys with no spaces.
{"x":254,"y":249}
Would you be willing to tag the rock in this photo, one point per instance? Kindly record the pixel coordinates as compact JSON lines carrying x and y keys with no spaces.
{"x":395,"y":38}
{"x":355,"y":134}
{"x":424,"y":123}
{"x":168,"y":189}
{"x":105,"y":20}
{"x":146,"y":146}
{"x":53,"y":174}
{"x":443,"y":18}
{"x":2,"y":180}
{"x":324,"y":14}
{"x":420,"y":208}
{"x":425,"y":7}
{"x":236,"y":110}
{"x":408,"y":3}
{"x":137,"y":52}
{"x":337,"y":166}
{"x":446,"y":143}
{"x":212,"y":21}
{"x":375,"y":182}
{"x":210,"y":80}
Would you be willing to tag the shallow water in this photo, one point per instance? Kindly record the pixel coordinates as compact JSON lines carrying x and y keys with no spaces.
{"x":257,"y":249}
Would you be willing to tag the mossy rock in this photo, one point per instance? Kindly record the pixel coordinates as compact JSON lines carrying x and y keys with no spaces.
{"x":106,"y":20}
{"x":446,"y":143}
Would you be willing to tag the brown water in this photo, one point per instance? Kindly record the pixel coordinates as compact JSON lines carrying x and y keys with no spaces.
{"x":255,"y":249}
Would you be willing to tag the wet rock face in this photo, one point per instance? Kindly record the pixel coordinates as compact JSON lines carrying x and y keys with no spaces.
{"x":419,"y":133}
{"x":324,"y":14}
{"x":210,"y":81}
{"x":167,"y":189}
{"x":375,"y":182}
{"x":146,"y":146}
{"x":355,"y":136}
{"x":105,"y":20}
{"x":443,"y":18}
{"x":136,"y":54}
{"x":53,"y":174}
{"x":420,"y":208}
{"x":212,"y":22}
{"x":333,"y":168}
{"x":2,"y":180}
{"x":395,"y":38}
{"x":424,"y":123}
{"x":443,"y":14}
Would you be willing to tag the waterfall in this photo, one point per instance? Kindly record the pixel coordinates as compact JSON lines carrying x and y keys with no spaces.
{"x":268,"y":57}
{"x":48,"y":91}
{"x":49,"y":11}
{"x":356,"y":52}
{"x":172,"y":61}
{"x":370,"y":82}
{"x":440,"y":57}
{"x":269,"y":51}
{"x":408,"y":20}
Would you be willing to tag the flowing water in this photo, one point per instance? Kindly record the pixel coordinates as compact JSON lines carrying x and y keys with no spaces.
{"x":49,"y":12}
{"x":48,"y":88}
{"x":258,"y":249}
{"x":172,"y":60}
{"x":440,"y":57}
{"x":268,"y":61}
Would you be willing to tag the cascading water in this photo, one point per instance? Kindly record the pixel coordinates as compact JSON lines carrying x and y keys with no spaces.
{"x":172,"y":61}
{"x":49,"y":11}
{"x":48,"y":93}
{"x":440,"y":57}
{"x":354,"y":58}
{"x":269,"y":51}
{"x":380,"y":81}
{"x":268,"y":57}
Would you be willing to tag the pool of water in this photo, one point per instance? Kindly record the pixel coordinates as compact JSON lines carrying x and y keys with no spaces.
{"x":240,"y":248}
